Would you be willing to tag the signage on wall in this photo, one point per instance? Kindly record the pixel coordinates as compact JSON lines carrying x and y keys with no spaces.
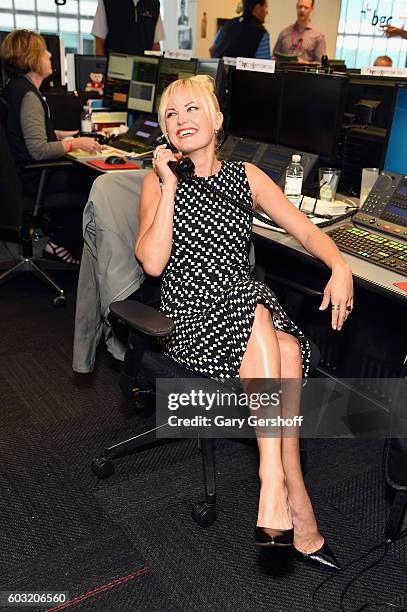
{"x":376,"y":18}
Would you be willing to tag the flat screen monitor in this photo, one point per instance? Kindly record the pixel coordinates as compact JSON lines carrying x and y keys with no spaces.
{"x":312,"y":107}
{"x":375,"y":89}
{"x":120,"y":66}
{"x":143,"y":84}
{"x":57,"y":49}
{"x":395,"y":159}
{"x":253,"y":104}
{"x":215,"y":69}
{"x":3,"y":74}
{"x":171,"y":70}
{"x":208,"y":67}
{"x":145,"y":130}
{"x":90,"y":72}
{"x":118,"y":76}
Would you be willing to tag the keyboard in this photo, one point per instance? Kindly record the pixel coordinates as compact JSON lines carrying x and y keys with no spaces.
{"x":131,"y":146}
{"x":371,"y":247}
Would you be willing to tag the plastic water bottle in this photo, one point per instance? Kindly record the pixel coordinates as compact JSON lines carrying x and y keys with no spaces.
{"x":293,"y":180}
{"x":86,"y":121}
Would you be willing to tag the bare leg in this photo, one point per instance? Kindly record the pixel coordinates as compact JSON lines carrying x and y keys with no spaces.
{"x":307,"y":538}
{"x":262,"y":360}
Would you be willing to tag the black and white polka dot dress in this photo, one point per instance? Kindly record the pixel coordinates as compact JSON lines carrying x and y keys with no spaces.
{"x":208,"y":288}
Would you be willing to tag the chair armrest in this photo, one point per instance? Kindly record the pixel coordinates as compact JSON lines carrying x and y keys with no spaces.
{"x":143,"y":318}
{"x":48,"y":164}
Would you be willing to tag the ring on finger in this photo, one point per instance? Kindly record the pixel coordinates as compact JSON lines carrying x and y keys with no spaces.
{"x":348,"y":308}
{"x":335,"y":306}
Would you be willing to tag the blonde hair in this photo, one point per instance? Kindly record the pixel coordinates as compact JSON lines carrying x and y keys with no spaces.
{"x":22,"y":52}
{"x":202,"y":89}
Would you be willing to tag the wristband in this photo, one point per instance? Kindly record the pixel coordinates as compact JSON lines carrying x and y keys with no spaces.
{"x":70,"y":146}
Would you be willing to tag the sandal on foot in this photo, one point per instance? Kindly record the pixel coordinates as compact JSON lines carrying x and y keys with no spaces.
{"x":59,"y":253}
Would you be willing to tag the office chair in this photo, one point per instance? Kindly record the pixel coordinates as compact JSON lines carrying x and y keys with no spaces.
{"x":20,"y":215}
{"x":143,"y":363}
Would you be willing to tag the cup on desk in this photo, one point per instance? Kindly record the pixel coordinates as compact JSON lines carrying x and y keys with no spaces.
{"x":328,"y":183}
{"x":369,"y":176}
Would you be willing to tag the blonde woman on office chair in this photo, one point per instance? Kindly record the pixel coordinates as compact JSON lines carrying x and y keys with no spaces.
{"x":228,"y":324}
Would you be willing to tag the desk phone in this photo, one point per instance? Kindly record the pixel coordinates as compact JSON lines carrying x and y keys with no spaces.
{"x":385,"y":208}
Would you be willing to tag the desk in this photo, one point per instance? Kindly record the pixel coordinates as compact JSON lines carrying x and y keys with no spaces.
{"x":88,"y":157}
{"x":366,"y":274}
{"x":373,"y":342}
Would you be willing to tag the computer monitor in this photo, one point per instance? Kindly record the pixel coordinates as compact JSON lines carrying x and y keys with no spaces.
{"x":395,"y":157}
{"x":253,"y":104}
{"x":3,"y":74}
{"x":338,"y":65}
{"x":143,"y":84}
{"x":312,"y":107}
{"x":208,"y":67}
{"x":118,"y":76}
{"x":373,"y":89}
{"x":171,"y":70}
{"x":90,"y":73}
{"x":56,"y":47}
{"x":215,"y":69}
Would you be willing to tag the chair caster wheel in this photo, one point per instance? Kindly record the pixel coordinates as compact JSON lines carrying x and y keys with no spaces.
{"x":59,"y":301}
{"x":102,"y":467}
{"x":204,"y":514}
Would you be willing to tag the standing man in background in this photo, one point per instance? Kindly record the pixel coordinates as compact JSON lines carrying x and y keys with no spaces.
{"x":127,"y":26}
{"x":302,"y":39}
{"x":244,"y":36}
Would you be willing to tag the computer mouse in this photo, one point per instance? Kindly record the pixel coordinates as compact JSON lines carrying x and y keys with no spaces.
{"x":114,"y":160}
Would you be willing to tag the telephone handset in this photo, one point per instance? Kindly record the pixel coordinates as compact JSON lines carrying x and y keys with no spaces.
{"x":184,"y":168}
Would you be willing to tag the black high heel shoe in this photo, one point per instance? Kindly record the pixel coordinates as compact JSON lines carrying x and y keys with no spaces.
{"x":322,"y":558}
{"x":263,"y":536}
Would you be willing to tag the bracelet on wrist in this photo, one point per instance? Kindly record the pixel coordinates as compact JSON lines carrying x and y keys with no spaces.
{"x":70,"y":146}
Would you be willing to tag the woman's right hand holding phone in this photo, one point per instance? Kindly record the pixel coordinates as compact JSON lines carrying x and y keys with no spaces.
{"x":161,"y":156}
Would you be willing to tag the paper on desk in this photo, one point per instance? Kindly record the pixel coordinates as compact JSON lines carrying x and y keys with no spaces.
{"x":81,"y":154}
{"x":322,"y":207}
{"x":315,"y":220}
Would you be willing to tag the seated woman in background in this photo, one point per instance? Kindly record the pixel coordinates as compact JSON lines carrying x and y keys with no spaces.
{"x":30,"y":133}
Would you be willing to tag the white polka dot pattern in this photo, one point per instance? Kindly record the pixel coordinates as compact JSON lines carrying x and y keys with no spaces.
{"x":207,"y":286}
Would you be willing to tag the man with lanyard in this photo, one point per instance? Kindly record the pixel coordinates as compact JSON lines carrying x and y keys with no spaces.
{"x":244,"y":36}
{"x":302,"y":39}
{"x":131,"y":26}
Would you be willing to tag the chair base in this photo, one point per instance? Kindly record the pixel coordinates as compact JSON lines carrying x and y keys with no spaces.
{"x":203,"y":513}
{"x":38,"y":267}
